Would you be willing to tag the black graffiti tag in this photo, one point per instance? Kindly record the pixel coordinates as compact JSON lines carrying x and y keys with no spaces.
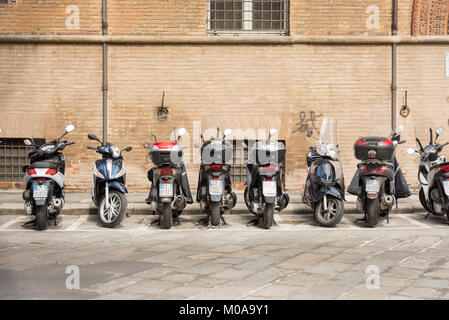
{"x":305,"y":123}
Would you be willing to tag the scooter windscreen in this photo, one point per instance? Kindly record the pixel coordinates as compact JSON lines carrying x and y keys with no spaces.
{"x":327,"y":144}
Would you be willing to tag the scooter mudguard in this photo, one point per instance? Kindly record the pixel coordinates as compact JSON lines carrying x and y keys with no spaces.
{"x":118,"y":186}
{"x":269,"y":199}
{"x":331,"y":192}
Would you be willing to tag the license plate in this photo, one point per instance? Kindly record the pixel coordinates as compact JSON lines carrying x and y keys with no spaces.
{"x":165,"y":190}
{"x":372,"y":185}
{"x":40,"y":191}
{"x":215,"y":187}
{"x":269,"y":188}
{"x":446,"y":187}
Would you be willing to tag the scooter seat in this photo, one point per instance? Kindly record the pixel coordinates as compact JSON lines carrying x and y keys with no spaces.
{"x":44,"y":164}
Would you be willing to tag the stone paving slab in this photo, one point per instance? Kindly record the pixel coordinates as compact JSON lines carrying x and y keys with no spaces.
{"x":293,"y":260}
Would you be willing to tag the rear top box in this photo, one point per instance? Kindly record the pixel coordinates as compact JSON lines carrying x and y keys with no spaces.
{"x":373,"y":148}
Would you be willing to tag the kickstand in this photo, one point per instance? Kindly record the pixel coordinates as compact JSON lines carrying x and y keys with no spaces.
{"x":158,"y":221}
{"x":204,"y":221}
{"x":253,"y":222}
{"x":223,"y":219}
{"x":427,"y":215}
{"x":28,"y":223}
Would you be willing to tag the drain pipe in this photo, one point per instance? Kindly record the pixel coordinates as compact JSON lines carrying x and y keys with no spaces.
{"x":394,"y":32}
{"x":105,"y":73}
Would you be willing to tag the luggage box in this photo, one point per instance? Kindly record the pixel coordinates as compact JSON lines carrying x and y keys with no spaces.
{"x":380,"y":148}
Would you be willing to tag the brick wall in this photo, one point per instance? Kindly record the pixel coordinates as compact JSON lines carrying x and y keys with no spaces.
{"x":43,"y":88}
{"x":260,"y":87}
{"x":49,"y":17}
{"x":342,"y":17}
{"x":421,"y":72}
{"x":157,"y":17}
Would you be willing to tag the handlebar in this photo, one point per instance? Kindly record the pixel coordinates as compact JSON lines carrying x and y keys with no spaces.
{"x":92,"y":148}
{"x":70,"y":143}
{"x":444,"y":144}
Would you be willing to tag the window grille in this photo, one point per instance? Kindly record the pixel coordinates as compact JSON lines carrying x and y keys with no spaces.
{"x":248,"y":16}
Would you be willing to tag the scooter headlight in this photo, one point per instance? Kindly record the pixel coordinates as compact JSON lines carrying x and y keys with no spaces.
{"x":115,"y":152}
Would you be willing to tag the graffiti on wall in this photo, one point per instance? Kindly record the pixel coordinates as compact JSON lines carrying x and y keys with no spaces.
{"x":307,"y":121}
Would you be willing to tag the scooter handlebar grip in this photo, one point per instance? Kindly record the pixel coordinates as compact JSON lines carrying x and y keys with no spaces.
{"x":92,"y":148}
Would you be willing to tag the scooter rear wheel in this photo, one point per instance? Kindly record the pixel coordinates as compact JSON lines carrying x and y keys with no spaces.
{"x":215,"y":214}
{"x":333,"y":215}
{"x":267,"y":219}
{"x":372,"y":212}
{"x":41,"y":220}
{"x":167,"y":216}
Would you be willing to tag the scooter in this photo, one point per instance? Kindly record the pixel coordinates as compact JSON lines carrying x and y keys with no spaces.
{"x":325,"y":187}
{"x":169,"y":184}
{"x":378,"y":181}
{"x":109,"y":187}
{"x":44,"y":181}
{"x":214,"y":192}
{"x":433,"y":175}
{"x":263,"y":193}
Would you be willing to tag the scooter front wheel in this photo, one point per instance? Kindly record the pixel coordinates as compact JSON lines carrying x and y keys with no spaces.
{"x":334,"y":213}
{"x":112,"y":216}
{"x":41,"y":220}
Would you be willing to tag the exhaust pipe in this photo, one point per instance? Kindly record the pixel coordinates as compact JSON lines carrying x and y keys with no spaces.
{"x":58,"y":203}
{"x":179,"y":203}
{"x":389,"y":200}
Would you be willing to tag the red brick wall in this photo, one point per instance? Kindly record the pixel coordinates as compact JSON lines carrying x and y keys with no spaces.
{"x":49,"y":17}
{"x":46,"y":87}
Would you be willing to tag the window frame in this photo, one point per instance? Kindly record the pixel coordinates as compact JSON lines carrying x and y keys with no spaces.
{"x":282,"y":32}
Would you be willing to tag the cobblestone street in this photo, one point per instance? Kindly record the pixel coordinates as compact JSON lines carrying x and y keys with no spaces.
{"x":294,"y":260}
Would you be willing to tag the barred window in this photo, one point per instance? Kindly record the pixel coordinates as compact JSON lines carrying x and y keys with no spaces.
{"x":248,"y":16}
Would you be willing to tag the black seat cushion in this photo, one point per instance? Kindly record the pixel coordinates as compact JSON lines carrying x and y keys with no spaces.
{"x":44,"y":164}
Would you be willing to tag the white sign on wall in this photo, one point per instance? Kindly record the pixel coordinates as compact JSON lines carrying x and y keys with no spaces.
{"x":447,"y":64}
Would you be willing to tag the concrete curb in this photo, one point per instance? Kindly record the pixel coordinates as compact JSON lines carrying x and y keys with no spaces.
{"x":240,"y":208}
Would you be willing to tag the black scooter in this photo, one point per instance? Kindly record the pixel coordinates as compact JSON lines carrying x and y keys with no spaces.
{"x":325,"y":187}
{"x":263,"y":193}
{"x":214,"y":192}
{"x":433,"y":175}
{"x":44,"y":180}
{"x":378,"y":181}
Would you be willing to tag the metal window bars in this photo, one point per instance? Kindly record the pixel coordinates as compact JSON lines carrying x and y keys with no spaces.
{"x":240,"y":155}
{"x":248,"y":16}
{"x":13,"y":156}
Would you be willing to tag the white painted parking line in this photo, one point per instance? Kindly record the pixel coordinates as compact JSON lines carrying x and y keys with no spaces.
{"x":144,"y":225}
{"x":364,"y":243}
{"x":77,"y":223}
{"x":13,"y":221}
{"x":415,"y":222}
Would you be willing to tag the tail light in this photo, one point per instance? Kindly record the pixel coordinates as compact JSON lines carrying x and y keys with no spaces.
{"x":387,"y":142}
{"x":51,"y":172}
{"x":268,"y":179}
{"x":382,"y":170}
{"x":359,"y":142}
{"x":216,"y":167}
{"x":31,"y":172}
{"x":445,"y":168}
{"x":166,"y":171}
{"x":365,"y":169}
{"x":269,"y":169}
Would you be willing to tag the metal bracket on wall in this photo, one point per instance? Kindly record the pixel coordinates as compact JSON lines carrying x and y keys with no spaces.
{"x":161,"y":112}
{"x":405,"y":110}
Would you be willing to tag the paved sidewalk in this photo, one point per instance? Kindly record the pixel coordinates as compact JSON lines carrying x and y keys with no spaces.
{"x":11,"y":203}
{"x":296,"y":259}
